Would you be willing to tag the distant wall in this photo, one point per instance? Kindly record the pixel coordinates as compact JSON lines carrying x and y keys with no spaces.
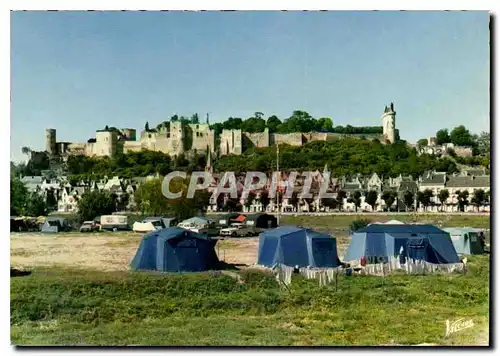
{"x":293,"y":139}
{"x":202,"y":137}
{"x":256,"y":139}
{"x":231,"y":142}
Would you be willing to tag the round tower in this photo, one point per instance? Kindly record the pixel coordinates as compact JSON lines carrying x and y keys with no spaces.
{"x":50,"y":141}
{"x":389,"y":124}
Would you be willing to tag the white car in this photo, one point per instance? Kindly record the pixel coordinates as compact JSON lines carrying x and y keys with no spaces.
{"x":238,"y":229}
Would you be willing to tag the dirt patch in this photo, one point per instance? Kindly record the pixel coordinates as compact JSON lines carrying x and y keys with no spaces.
{"x":105,"y":252}
{"x":93,"y":251}
{"x":238,"y":251}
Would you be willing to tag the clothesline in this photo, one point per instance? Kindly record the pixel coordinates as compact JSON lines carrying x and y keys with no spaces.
{"x":325,"y":276}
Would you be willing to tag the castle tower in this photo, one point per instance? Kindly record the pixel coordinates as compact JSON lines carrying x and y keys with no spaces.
{"x":177,"y":136}
{"x":50,"y":141}
{"x":106,"y":143}
{"x":389,"y":124}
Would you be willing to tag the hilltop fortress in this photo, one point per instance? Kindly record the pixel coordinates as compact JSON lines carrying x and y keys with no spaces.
{"x":175,"y":138}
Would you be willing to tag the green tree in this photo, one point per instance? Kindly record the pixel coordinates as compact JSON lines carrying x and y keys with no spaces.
{"x":95,"y":203}
{"x":249,"y":200}
{"x":325,"y":124}
{"x":195,"y":119}
{"x":51,"y":200}
{"x":357,"y":224}
{"x":442,"y":137}
{"x":264,"y":199}
{"x":408,"y":199}
{"x":341,"y":195}
{"x":149,"y":199}
{"x":460,"y":136}
{"x":272,"y":123}
{"x":478,"y":198}
{"x":294,"y":200}
{"x":35,"y":205}
{"x":330,"y":203}
{"x":422,"y":143}
{"x":443,"y":196}
{"x":254,"y":124}
{"x":389,"y":199}
{"x":356,"y":199}
{"x":483,"y":143}
{"x":26,"y":151}
{"x":18,"y":196}
{"x":462,"y":197}
{"x":371,"y":199}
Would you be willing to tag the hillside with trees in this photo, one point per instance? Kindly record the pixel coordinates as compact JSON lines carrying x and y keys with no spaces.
{"x":344,"y":157}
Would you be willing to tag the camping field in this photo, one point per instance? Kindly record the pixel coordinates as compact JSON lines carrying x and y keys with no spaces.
{"x":80,"y":292}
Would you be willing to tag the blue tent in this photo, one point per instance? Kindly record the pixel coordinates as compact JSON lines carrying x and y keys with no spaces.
{"x":378,"y":242}
{"x":297,"y":246}
{"x":175,"y":250}
{"x":467,"y":241}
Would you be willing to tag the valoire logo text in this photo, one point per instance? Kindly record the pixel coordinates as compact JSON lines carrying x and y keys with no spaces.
{"x":458,"y":325}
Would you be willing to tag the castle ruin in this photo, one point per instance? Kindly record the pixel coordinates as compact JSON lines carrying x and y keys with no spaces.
{"x":176,"y":138}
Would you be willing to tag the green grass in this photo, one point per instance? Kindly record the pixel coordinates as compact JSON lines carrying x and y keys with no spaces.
{"x":77,"y":307}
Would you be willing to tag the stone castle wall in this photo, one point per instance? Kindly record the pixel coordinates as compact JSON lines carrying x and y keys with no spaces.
{"x":256,"y":139}
{"x":292,"y":139}
{"x":231,"y":142}
{"x":175,"y":139}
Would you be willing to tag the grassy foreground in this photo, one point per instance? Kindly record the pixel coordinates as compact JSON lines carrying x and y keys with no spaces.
{"x":71,"y":307}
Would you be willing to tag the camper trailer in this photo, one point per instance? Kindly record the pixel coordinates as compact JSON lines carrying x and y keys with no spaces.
{"x":114,"y":223}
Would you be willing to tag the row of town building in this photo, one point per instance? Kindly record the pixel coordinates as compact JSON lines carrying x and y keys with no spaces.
{"x":68,"y":195}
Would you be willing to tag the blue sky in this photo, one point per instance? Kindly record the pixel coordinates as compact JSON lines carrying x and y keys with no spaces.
{"x":79,"y":71}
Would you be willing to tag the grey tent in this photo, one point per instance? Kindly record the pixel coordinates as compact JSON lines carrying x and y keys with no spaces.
{"x":55,"y":224}
{"x":467,"y":241}
{"x":379,"y":242}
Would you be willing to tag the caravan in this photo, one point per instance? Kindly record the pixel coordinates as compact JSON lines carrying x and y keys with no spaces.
{"x":114,"y":223}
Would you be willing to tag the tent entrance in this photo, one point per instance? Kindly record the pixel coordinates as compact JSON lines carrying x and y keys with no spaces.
{"x":417,"y":248}
{"x":187,"y":255}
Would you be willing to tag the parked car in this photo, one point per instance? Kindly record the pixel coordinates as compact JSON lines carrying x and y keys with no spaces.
{"x":89,"y":226}
{"x":238,"y":230}
{"x":201,"y":226}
